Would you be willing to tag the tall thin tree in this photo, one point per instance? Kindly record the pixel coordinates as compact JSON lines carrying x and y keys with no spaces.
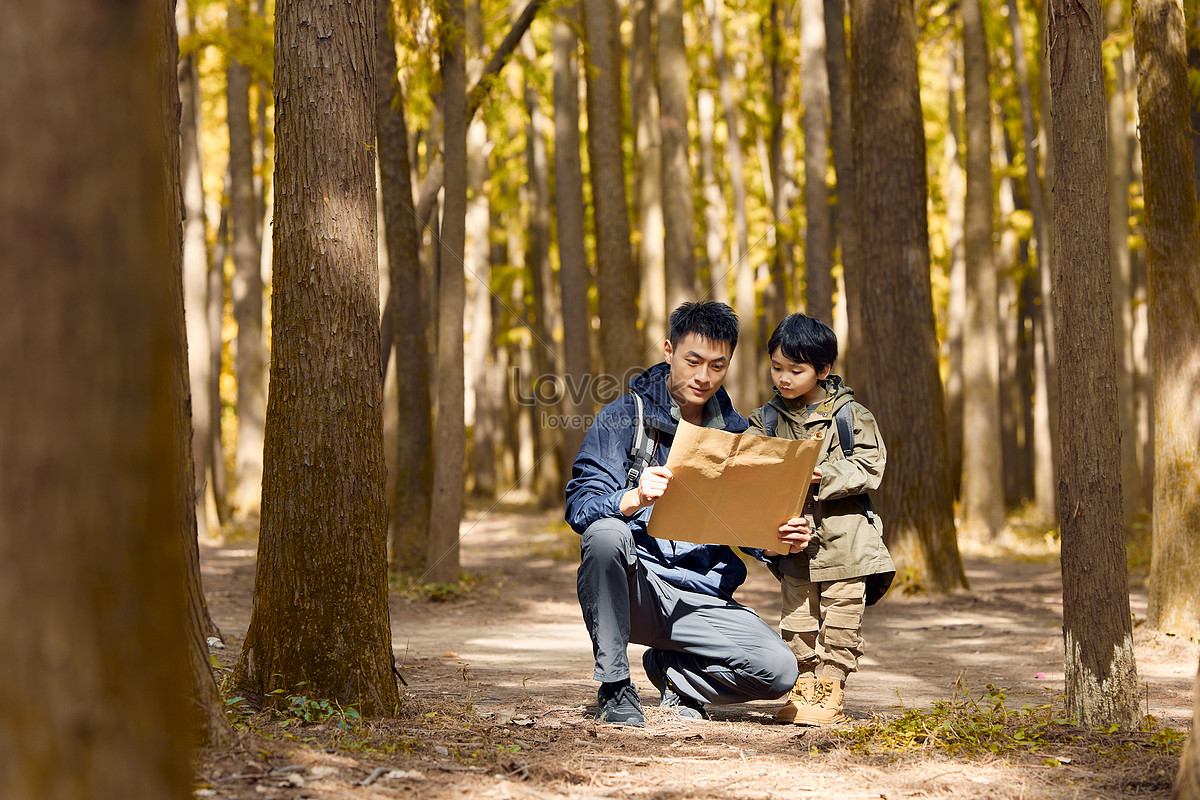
{"x":1173,"y":253}
{"x":906,"y":391}
{"x":322,"y":547}
{"x":814,"y":96}
{"x":1101,"y":678}
{"x":674,"y":95}
{"x":982,"y":463}
{"x":615,"y":280}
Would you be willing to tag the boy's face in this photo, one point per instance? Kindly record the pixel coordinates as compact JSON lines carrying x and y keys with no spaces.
{"x":796,"y":380}
{"x":698,"y":368}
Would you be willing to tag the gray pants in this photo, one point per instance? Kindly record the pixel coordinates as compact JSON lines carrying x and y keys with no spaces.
{"x":713,"y":650}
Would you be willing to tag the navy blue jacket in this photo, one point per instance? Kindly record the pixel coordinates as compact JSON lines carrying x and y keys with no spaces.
{"x":598,"y":480}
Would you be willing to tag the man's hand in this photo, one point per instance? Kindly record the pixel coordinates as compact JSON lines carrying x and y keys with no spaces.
{"x":816,"y":476}
{"x":794,"y":536}
{"x":653,"y":483}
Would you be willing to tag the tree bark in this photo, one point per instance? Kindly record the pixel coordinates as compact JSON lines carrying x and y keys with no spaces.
{"x":450,"y":433}
{"x":673,"y":95}
{"x":982,"y":490}
{"x":1119,"y":177}
{"x":889,"y":143}
{"x":412,"y":487}
{"x":1173,"y":252}
{"x":1101,"y":678}
{"x":814,"y":96}
{"x":744,"y":386}
{"x":569,"y":211}
{"x":715,"y":210}
{"x":250,"y":360}
{"x":195,"y":268}
{"x":215,"y":310}
{"x":322,"y":546}
{"x":615,"y":279}
{"x":954,"y":192}
{"x":648,"y":167}
{"x":95,"y":479}
{"x":780,"y":163}
{"x":853,"y":351}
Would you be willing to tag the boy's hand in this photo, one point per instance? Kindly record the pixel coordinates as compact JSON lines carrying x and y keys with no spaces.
{"x":794,"y":536}
{"x":650,"y":487}
{"x":816,"y":476}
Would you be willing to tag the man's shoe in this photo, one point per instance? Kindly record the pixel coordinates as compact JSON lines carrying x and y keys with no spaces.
{"x":671,"y":698}
{"x":823,"y":706}
{"x":619,"y":704}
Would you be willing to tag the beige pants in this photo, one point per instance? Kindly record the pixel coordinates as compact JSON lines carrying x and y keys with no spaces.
{"x":822,"y":623}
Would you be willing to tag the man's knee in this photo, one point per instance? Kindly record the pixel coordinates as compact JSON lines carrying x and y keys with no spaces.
{"x":606,"y":538}
{"x":780,"y":670}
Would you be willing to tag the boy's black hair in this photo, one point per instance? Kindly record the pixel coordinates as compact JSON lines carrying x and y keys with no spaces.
{"x":805,"y":340}
{"x":708,"y":320}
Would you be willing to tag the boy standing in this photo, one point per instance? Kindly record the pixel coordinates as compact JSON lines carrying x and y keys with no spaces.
{"x":846,"y":567}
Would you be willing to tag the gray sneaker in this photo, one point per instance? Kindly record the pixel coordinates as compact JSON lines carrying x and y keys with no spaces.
{"x":679,"y":704}
{"x":620,"y":705}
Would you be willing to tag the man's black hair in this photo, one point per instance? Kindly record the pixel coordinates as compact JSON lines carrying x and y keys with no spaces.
{"x":805,"y":340}
{"x":708,"y":320}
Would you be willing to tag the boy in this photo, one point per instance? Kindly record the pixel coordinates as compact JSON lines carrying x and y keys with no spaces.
{"x":846,"y":567}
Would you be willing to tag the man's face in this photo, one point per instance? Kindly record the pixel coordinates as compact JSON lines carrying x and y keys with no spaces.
{"x":698,"y":368}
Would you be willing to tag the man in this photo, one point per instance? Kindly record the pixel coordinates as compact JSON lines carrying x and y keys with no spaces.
{"x":675,"y":597}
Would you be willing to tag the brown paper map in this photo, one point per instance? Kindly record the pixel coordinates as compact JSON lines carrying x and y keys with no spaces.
{"x":732,"y":488}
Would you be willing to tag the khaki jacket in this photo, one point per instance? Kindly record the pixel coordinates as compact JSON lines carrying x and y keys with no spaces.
{"x":848,"y":542}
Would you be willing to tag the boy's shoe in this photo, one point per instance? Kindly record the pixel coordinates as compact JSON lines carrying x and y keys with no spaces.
{"x":799,"y":700}
{"x":685,"y":707}
{"x":619,"y":704}
{"x":822,"y":703}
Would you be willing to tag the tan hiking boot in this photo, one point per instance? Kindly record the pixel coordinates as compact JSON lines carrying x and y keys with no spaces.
{"x":798,"y":700}
{"x":824,"y":706}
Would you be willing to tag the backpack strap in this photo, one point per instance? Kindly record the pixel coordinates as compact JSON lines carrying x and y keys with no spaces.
{"x":845,"y":429}
{"x":643,"y":447}
{"x":770,"y":419}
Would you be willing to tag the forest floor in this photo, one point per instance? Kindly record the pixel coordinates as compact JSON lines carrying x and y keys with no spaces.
{"x":958,"y":696}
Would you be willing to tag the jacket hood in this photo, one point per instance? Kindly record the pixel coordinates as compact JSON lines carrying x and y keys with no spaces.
{"x":651,"y":384}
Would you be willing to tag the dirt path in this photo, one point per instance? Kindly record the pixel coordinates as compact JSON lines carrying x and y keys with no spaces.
{"x":515,"y":648}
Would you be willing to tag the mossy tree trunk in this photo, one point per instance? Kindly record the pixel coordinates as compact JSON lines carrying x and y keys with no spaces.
{"x":1101,"y":678}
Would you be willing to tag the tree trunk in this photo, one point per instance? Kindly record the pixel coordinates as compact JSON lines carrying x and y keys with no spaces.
{"x":616,"y":282}
{"x":1119,"y":178}
{"x":545,"y":310}
{"x":322,"y":546}
{"x":648,"y":167}
{"x":195,"y":268}
{"x":853,"y":351}
{"x":716,"y":253}
{"x":95,"y":478}
{"x":744,"y":386}
{"x":1101,"y":678}
{"x":569,"y":211}
{"x":889,"y":142}
{"x":215,"y":311}
{"x":450,"y":434}
{"x":413,"y":485}
{"x":982,"y":490}
{"x":780,"y":163}
{"x":1173,"y":252}
{"x":954,"y":191}
{"x":480,"y":414}
{"x":673,"y":96}
{"x":814,"y":96}
{"x":1015,"y":388}
{"x":250,"y":359}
